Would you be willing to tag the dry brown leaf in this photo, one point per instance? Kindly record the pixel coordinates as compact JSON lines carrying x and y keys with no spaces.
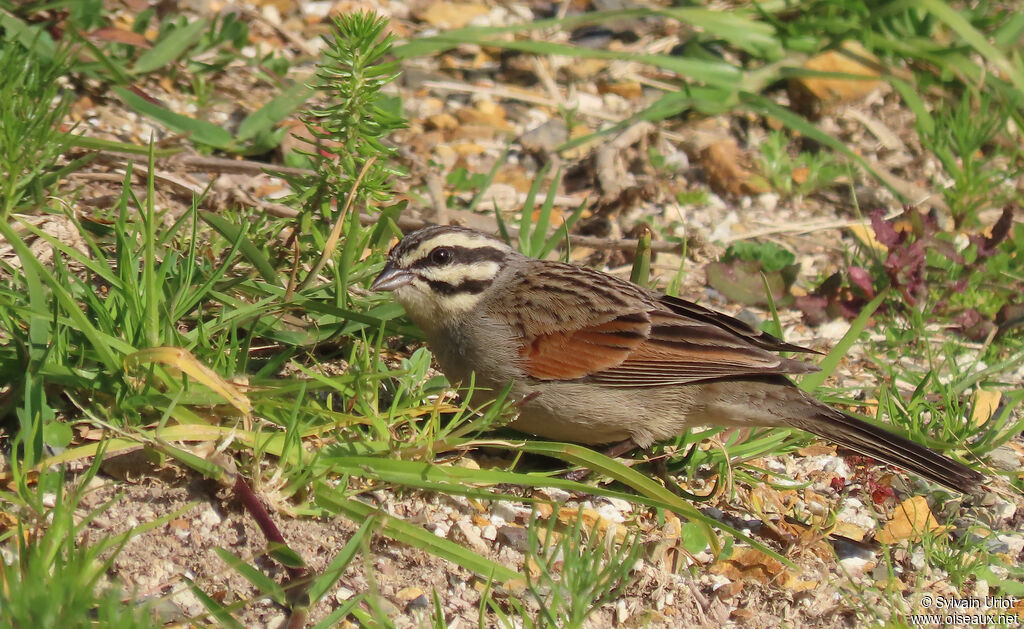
{"x":468,"y":148}
{"x":812,"y":92}
{"x":586,"y":68}
{"x":516,"y":176}
{"x":753,"y":565}
{"x":451,"y":14}
{"x":485,"y":113}
{"x":578,"y":152}
{"x":591,"y":519}
{"x":749,"y":564}
{"x":442,"y":121}
{"x":626,"y":89}
{"x":796,"y":584}
{"x":849,"y":530}
{"x":473,"y":132}
{"x":866,"y":236}
{"x":409,"y":593}
{"x":818,"y":449}
{"x":911,"y":520}
{"x":983,"y":405}
{"x":729,"y":170}
{"x":120,"y":36}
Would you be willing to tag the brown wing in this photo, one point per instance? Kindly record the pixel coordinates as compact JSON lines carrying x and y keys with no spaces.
{"x":583,"y":351}
{"x":763,"y":340}
{"x":587,"y":324}
{"x":679,"y":350}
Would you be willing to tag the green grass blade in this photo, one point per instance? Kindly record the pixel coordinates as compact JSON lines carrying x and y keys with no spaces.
{"x":170,"y":47}
{"x":812,"y":381}
{"x":266,"y":117}
{"x":33,"y":38}
{"x":401,"y":531}
{"x":975,"y":39}
{"x":66,"y":301}
{"x":218,"y":611}
{"x":263,"y":583}
{"x":252,"y":253}
{"x":340,"y":563}
{"x":199,"y":130}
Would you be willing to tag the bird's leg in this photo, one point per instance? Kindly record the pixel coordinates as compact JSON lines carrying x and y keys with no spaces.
{"x":611,"y":452}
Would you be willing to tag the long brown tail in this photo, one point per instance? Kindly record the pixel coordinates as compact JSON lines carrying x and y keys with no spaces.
{"x":877,"y":443}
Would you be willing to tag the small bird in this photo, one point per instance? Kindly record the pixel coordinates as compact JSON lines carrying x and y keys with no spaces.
{"x":594,"y":359}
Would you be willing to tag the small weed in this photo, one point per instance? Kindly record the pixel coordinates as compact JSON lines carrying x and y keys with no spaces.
{"x":50,"y":580}
{"x":570,"y":573}
{"x":800,"y":175}
{"x":962,"y":135}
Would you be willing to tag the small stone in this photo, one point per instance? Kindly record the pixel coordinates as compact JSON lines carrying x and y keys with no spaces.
{"x":1005,"y":544}
{"x":555,"y":494}
{"x":489,"y":532}
{"x":507,"y":511}
{"x":512,"y":536}
{"x":545,"y":138}
{"x":343,"y":593}
{"x":1004,"y":458}
{"x":856,"y":566}
{"x":420,"y":602}
{"x":210,"y":517}
{"x":466,"y":533}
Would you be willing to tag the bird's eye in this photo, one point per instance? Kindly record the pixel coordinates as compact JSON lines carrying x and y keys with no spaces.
{"x":442,"y":256}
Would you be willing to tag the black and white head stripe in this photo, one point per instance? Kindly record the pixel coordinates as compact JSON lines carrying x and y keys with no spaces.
{"x":452,"y":261}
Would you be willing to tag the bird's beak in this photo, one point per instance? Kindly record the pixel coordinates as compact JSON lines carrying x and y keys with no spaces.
{"x":391,"y":278}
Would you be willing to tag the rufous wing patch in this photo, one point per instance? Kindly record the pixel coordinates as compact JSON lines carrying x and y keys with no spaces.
{"x":577,"y":353}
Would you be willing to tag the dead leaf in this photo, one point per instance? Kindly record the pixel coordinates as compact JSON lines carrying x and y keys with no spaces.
{"x":983,"y":405}
{"x":408,"y":594}
{"x":749,"y":564}
{"x":442,"y":121}
{"x":626,"y":89}
{"x":866,"y":236}
{"x":818,"y":449}
{"x":849,"y":530}
{"x":911,"y":520}
{"x":810,"y":94}
{"x":800,"y":175}
{"x":451,"y":14}
{"x":592,"y":520}
{"x":730,"y":171}
{"x":120,"y":36}
{"x":485,"y":113}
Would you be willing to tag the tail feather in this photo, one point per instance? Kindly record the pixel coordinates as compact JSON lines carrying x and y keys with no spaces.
{"x":881,"y":444}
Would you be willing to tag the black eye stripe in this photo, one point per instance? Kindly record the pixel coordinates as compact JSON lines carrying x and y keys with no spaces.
{"x":461,"y":255}
{"x":471,"y":287}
